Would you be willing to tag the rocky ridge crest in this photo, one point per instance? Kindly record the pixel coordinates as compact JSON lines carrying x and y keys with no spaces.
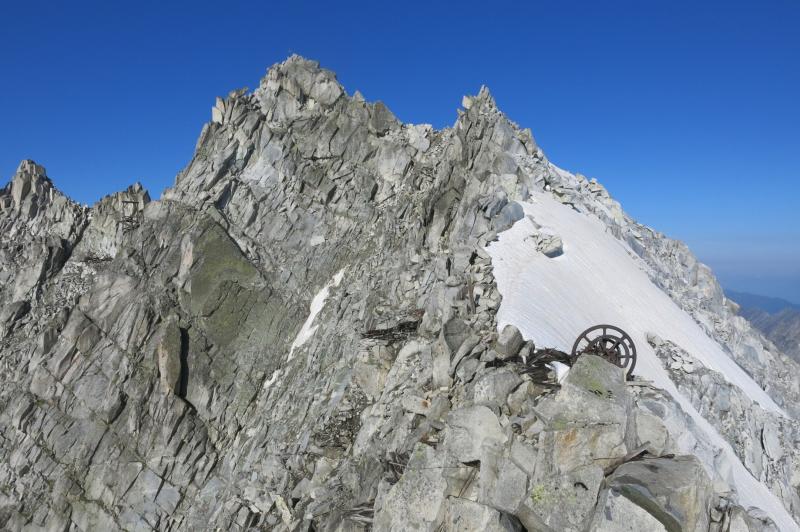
{"x":301,"y":334}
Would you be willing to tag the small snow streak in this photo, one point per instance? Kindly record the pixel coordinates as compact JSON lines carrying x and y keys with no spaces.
{"x":317,"y":304}
{"x":560,"y":368}
{"x":269,"y":382}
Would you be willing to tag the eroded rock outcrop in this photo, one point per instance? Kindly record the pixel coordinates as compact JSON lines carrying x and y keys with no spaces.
{"x":301,"y":334}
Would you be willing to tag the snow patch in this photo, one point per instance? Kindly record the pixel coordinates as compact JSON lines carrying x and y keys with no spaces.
{"x":317,"y":304}
{"x":599,"y":280}
{"x":560,"y":368}
{"x":269,"y":382}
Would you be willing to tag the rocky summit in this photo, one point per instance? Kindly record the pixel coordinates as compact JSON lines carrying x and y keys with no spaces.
{"x":302,"y":334}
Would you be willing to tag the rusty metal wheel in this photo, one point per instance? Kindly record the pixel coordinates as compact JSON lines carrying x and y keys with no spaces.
{"x":609,"y":342}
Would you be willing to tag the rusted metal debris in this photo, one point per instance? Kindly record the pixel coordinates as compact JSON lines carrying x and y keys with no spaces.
{"x":397,"y":463}
{"x":400,"y":331}
{"x":539,"y":364}
{"x":609,"y":342}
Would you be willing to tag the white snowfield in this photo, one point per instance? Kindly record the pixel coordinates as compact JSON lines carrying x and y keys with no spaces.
{"x":599,"y":279}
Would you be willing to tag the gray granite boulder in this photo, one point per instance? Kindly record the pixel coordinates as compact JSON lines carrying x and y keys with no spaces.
{"x":676,"y":492}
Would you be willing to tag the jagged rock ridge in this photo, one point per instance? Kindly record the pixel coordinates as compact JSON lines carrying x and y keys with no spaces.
{"x":301,"y":334}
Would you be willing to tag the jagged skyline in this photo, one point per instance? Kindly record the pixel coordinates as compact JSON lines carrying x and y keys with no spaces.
{"x":105,"y":97}
{"x":336,"y":317}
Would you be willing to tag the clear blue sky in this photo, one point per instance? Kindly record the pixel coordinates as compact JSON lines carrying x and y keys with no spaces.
{"x":687,"y":111}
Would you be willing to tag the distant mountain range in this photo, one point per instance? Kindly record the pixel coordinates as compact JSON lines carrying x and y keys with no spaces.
{"x":776,"y":318}
{"x":768,"y":304}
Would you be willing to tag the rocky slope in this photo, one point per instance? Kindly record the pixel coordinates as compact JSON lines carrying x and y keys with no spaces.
{"x":777,"y":319}
{"x":302,"y":334}
{"x":782,"y":328}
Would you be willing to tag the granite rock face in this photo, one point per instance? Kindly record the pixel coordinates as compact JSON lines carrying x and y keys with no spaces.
{"x":761,"y":439}
{"x":301,"y":334}
{"x":782,"y":328}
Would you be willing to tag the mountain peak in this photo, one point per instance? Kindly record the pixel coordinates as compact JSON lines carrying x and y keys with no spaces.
{"x":30,"y":169}
{"x":331,"y":307}
{"x":29,"y":182}
{"x":483,"y":100}
{"x":28,"y":174}
{"x":303,"y":79}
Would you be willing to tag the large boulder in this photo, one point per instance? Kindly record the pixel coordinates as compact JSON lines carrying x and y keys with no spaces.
{"x":493,"y":387}
{"x":466,"y":516}
{"x":563,"y":502}
{"x":675,"y":492}
{"x":509,"y":342}
{"x":417,"y":501}
{"x":502,"y":484}
{"x":473,"y":431}
{"x":586,"y":421}
{"x":617,"y":513}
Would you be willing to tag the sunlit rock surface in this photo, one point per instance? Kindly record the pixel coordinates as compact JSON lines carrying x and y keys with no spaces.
{"x":302,"y":334}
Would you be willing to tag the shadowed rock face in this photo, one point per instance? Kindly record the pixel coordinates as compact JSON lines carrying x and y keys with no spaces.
{"x":201,"y":361}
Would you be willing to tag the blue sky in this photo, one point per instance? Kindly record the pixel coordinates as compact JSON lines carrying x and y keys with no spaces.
{"x":687,"y":111}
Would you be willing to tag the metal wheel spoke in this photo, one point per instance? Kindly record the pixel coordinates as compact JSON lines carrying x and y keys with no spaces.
{"x":609,"y":342}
